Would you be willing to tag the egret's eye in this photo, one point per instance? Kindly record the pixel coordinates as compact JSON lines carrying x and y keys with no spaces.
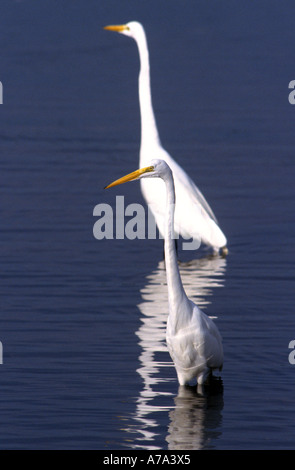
{"x":150,"y":168}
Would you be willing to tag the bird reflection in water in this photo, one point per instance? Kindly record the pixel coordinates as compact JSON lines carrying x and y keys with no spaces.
{"x":196,"y":418}
{"x":156,"y":369}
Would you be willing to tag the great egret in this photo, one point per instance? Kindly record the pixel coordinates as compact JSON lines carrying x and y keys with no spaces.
{"x":193,"y":339}
{"x":194,"y":217}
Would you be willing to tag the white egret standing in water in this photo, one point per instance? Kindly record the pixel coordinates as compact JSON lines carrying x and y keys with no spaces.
{"x":194,"y":217}
{"x":193,"y":339}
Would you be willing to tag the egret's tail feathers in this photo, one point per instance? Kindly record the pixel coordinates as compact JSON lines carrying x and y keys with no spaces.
{"x":224,"y":251}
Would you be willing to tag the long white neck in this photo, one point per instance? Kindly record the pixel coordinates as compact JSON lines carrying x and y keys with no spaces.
{"x":176,"y":293}
{"x":149,"y":131}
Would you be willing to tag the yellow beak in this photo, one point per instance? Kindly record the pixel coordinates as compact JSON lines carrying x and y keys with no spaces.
{"x":131,"y":176}
{"x":118,"y":27}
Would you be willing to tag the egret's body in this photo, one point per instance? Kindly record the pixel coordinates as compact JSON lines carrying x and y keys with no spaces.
{"x":193,"y":339}
{"x":193,"y":216}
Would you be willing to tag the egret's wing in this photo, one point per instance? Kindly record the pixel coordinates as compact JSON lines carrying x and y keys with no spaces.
{"x":213,"y":350}
{"x":183,"y":179}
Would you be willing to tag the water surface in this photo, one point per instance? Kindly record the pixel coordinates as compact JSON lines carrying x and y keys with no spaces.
{"x":83,"y":321}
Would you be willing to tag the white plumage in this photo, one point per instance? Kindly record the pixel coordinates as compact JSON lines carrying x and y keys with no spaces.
{"x":193,"y":339}
{"x":193,"y":216}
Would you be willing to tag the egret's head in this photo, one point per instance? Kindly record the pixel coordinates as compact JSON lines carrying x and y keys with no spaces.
{"x":132,"y":29}
{"x":156,"y":169}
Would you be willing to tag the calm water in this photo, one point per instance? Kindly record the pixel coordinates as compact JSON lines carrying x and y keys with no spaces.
{"x":85,"y":364}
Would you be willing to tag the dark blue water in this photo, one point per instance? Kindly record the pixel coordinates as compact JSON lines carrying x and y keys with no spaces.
{"x":85,"y":365}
